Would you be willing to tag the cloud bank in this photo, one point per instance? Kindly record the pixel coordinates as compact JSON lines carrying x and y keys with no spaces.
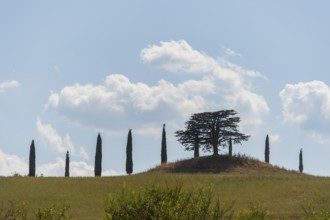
{"x":308,"y":105}
{"x":118,"y":103}
{"x":231,"y":80}
{"x":12,"y":164}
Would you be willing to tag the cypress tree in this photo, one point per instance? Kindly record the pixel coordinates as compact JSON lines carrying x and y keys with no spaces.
{"x":129,"y":148}
{"x":164,"y":147}
{"x":301,"y":166}
{"x":67,"y":165}
{"x":230,"y":153}
{"x":98,"y":157}
{"x":267,"y":149}
{"x":32,"y":160}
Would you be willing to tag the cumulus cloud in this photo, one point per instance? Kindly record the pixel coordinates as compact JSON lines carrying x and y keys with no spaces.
{"x":50,"y":135}
{"x":308,"y":105}
{"x":12,"y":164}
{"x":179,"y":56}
{"x":118,"y":103}
{"x":8,"y":85}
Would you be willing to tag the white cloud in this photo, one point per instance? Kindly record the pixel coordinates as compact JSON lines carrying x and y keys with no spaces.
{"x":252,"y":106}
{"x":12,"y":164}
{"x":179,"y":56}
{"x":9,"y":84}
{"x":308,"y":105}
{"x":119,"y":103}
{"x":231,"y":53}
{"x":50,"y":135}
{"x":175,"y":56}
{"x":274,"y":138}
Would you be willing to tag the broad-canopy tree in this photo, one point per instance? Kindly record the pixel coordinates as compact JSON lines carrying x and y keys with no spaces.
{"x":129,"y":148}
{"x":32,"y":160}
{"x":190,"y":138}
{"x":98,"y":157}
{"x":211,"y":130}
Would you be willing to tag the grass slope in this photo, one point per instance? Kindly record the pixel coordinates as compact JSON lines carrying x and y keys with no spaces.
{"x":217,"y":164}
{"x":246,"y":181}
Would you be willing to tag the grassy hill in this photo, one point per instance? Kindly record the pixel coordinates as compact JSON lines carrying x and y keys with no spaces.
{"x":240,"y":180}
{"x":218,"y":164}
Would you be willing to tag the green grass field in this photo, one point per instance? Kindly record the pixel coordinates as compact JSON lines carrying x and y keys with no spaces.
{"x":283,"y":192}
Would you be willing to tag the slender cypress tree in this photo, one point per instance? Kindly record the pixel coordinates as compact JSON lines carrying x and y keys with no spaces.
{"x":230,"y":153}
{"x":67,"y":165}
{"x":98,"y":157}
{"x":129,"y":148}
{"x":301,"y":166}
{"x":164,"y":147}
{"x":32,"y":160}
{"x":267,"y":149}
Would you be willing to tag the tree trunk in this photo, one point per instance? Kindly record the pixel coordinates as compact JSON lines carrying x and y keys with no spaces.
{"x":215,"y":149}
{"x":196,"y":150}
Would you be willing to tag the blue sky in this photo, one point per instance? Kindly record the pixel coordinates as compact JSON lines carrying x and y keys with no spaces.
{"x":69,"y":70}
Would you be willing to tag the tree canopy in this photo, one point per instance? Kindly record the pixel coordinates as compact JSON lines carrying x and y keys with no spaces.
{"x":211,"y":130}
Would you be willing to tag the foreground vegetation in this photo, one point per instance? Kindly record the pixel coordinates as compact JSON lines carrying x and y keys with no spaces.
{"x":282,"y":193}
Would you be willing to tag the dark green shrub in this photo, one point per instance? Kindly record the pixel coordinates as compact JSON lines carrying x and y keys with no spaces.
{"x":312,"y":214}
{"x":256,"y":211}
{"x":13,"y":212}
{"x":168,"y":203}
{"x":53,"y":212}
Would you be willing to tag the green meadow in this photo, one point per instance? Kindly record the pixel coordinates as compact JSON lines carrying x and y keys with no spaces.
{"x":282,"y":192}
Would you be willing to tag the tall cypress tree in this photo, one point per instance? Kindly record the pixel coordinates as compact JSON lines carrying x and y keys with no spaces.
{"x":32,"y":160}
{"x":301,"y":166}
{"x":267,"y":149}
{"x":164,"y":147}
{"x":98,"y":157}
{"x":230,"y":153}
{"x":67,"y":165}
{"x":129,"y":148}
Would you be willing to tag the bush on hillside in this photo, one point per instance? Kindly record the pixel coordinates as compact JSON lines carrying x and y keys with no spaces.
{"x":54,"y":212}
{"x":163,"y":202}
{"x":13,"y":212}
{"x":257,"y":211}
{"x":20,"y":212}
{"x":312,"y":214}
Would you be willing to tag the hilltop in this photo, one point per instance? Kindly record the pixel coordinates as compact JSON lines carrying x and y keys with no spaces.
{"x":218,"y":164}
